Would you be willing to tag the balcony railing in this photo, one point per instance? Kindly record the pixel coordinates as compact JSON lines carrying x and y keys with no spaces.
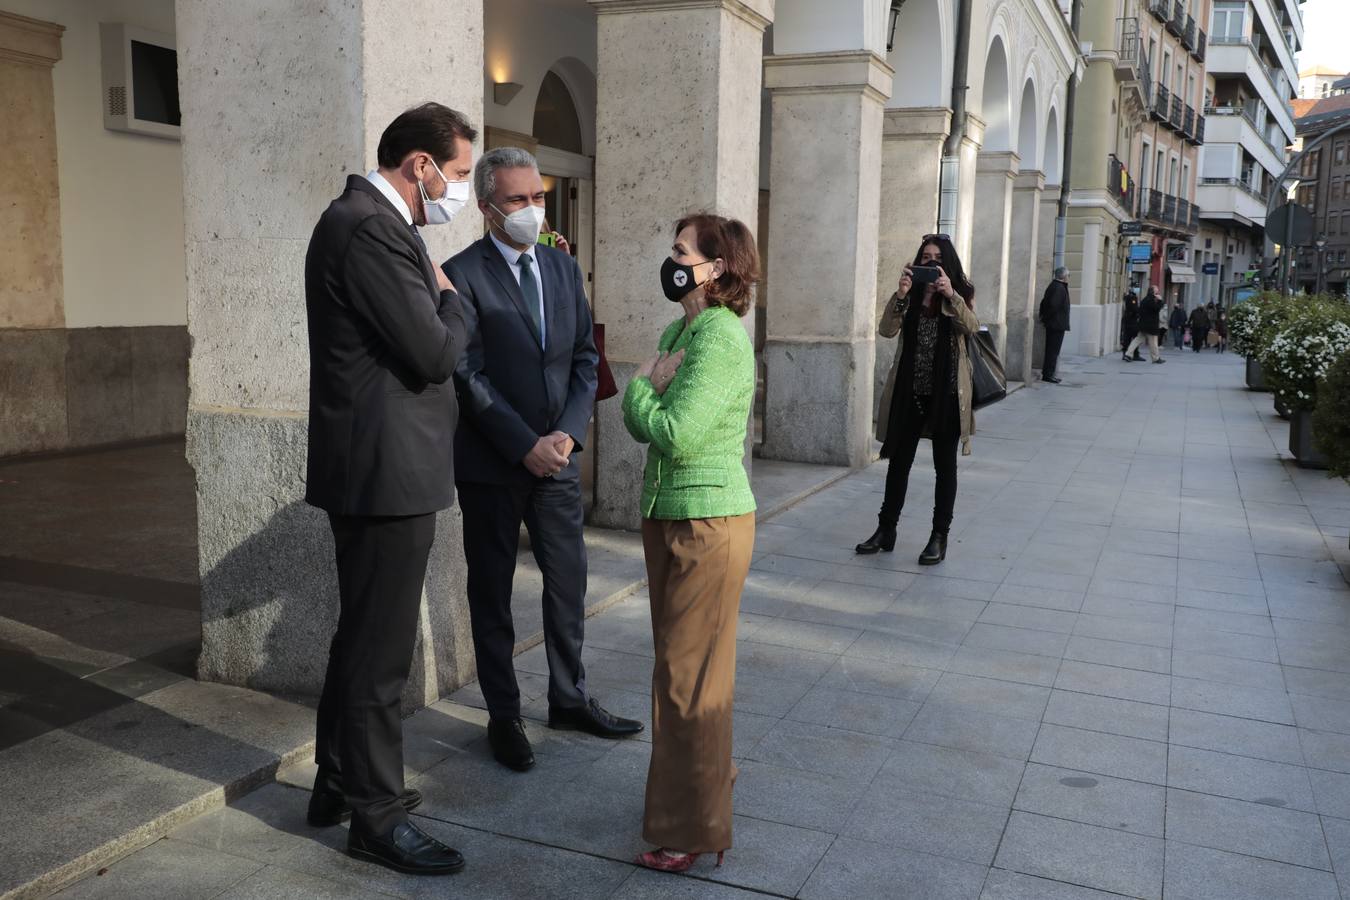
{"x":1176,"y":213}
{"x":1246,"y":112}
{"x":1198,"y":51}
{"x":1239,"y":183}
{"x":1177,"y":22}
{"x":1199,"y":130}
{"x":1177,"y":114}
{"x":1188,"y":34}
{"x":1254,"y":45}
{"x":1161,"y":9}
{"x":1119,"y":184}
{"x":1188,"y":121}
{"x":1162,"y":103}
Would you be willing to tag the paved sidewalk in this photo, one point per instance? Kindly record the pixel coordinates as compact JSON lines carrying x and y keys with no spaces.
{"x":1130,"y":677}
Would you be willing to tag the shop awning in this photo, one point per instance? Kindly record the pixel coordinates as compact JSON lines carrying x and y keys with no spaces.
{"x":1181,"y":274}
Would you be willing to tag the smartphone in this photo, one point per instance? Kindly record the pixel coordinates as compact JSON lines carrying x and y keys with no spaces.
{"x":547,"y":239}
{"x":923,"y":274}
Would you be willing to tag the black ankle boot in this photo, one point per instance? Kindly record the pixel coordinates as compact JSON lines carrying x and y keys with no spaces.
{"x":936,"y":551}
{"x":882,"y":539}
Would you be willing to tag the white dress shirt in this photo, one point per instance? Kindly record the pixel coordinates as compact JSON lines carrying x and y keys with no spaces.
{"x":512,"y":257}
{"x":375,"y":178}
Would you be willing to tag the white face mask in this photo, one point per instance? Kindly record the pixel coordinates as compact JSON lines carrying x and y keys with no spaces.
{"x":522,"y":226}
{"x":442,"y":210}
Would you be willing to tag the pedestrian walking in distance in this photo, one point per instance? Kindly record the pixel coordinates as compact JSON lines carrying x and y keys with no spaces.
{"x":1054,"y":315}
{"x":1150,"y":311}
{"x":1199,"y":322}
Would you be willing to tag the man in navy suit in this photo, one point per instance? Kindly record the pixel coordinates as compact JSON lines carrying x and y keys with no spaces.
{"x":526,"y":385}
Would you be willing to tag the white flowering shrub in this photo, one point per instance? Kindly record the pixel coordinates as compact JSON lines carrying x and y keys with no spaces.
{"x":1302,"y":352}
{"x":1253,"y":322}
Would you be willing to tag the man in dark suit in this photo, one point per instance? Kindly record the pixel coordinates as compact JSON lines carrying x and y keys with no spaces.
{"x":526,"y":383}
{"x":385,"y":334}
{"x":1055,"y":317}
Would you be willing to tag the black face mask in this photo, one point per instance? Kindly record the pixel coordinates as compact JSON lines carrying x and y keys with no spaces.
{"x":677,"y":280}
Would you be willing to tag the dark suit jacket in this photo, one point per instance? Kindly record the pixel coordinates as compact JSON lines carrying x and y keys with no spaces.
{"x":513,"y":391}
{"x":383,"y":340}
{"x":1055,"y":306}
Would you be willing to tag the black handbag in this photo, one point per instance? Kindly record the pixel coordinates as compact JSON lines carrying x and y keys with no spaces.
{"x":988,"y":384}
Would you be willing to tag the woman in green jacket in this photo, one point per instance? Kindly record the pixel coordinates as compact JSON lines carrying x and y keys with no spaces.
{"x":690,"y":405}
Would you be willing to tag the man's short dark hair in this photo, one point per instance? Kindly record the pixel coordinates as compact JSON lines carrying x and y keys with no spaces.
{"x":431,"y":128}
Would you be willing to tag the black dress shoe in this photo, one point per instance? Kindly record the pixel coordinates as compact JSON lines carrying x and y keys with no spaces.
{"x":593,"y":719}
{"x":1050,"y":378}
{"x":510,"y":746}
{"x":936,"y":551}
{"x":406,"y":848}
{"x":882,"y":539}
{"x":327,"y":808}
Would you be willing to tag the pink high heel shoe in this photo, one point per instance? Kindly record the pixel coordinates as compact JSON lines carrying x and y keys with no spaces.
{"x":662,"y":861}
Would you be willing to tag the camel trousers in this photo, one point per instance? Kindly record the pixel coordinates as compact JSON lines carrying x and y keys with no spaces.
{"x":695,"y":570}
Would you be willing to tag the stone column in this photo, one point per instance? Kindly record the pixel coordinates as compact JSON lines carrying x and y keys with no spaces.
{"x":818,"y":351}
{"x":911,"y":166}
{"x":1045,"y":262}
{"x":1023,"y":288}
{"x":260,"y":163}
{"x":987,"y":264}
{"x":968,"y":154}
{"x":677,"y":129}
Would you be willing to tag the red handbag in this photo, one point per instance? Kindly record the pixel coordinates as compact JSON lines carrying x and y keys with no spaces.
{"x":604,"y":378}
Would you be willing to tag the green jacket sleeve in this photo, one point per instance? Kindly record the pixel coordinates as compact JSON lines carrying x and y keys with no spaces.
{"x":704,"y":387}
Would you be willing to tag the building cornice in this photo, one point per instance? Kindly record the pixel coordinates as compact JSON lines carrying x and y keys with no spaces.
{"x":30,"y":41}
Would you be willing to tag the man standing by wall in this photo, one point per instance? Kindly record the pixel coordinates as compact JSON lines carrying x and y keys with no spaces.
{"x":385,"y":334}
{"x":527,"y":382}
{"x":1054,"y":316}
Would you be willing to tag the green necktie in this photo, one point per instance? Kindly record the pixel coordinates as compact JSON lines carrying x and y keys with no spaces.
{"x":529,"y":287}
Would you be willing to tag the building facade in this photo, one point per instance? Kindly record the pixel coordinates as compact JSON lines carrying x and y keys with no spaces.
{"x":1249,"y":126}
{"x":1324,"y":190}
{"x":1317,"y":82}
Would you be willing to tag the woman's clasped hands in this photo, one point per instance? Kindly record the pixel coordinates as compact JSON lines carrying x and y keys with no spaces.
{"x":661,"y":369}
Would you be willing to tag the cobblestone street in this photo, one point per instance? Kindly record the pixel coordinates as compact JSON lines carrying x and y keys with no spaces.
{"x":1131,"y":676}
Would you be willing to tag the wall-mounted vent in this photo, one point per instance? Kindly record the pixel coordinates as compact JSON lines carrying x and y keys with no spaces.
{"x":117,"y":100}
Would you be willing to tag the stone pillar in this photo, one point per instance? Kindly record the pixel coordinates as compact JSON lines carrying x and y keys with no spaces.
{"x":1023,"y":288}
{"x":260,"y":164}
{"x":677,"y":129}
{"x":31,"y":293}
{"x":911,"y":166}
{"x":968,"y":154}
{"x":818,"y":350}
{"x":1045,"y":262}
{"x":987,"y":264}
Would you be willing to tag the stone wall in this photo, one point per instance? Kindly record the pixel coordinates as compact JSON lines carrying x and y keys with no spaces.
{"x":65,"y":389}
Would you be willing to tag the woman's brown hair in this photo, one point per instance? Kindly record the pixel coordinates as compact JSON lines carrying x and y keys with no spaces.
{"x":730,"y":241}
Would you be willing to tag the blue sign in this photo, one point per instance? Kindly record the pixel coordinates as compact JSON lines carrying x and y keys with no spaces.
{"x":1210,"y":269}
{"x":1141,"y":253}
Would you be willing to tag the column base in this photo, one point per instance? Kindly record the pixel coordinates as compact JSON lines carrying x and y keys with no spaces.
{"x":1017,"y":356}
{"x":817,"y":408}
{"x":1087,"y":323}
{"x":269,"y":581}
{"x":619,"y":460}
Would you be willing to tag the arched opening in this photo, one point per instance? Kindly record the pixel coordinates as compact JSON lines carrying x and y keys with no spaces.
{"x":994,"y":110}
{"x":1027,"y":132}
{"x":556,"y":122}
{"x":918,"y":56}
{"x":1051,"y":164}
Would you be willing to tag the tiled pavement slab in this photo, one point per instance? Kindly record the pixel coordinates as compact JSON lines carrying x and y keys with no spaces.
{"x":1131,"y":677}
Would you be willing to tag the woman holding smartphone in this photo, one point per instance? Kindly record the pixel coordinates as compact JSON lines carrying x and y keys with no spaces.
{"x":928,"y":391}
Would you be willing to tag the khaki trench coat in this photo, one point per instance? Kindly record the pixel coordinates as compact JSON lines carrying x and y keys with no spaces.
{"x":964,"y":323}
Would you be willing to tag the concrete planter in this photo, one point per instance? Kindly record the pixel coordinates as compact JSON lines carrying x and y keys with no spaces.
{"x":1280,"y":409}
{"x":1255,"y":380}
{"x":1301,"y":441}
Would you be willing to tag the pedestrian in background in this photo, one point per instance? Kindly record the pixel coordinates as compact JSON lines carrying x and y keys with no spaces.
{"x":928,"y":391}
{"x":1177,"y":323}
{"x":1150,"y":310}
{"x":1221,"y":328}
{"x":690,"y":406}
{"x":1054,"y":316}
{"x":1129,"y":320}
{"x":1199,"y":323}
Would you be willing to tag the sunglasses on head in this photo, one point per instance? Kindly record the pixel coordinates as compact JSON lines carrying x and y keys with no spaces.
{"x":937,"y":237}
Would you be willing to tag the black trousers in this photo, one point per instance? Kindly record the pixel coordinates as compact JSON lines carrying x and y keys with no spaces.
{"x":1198,"y":338}
{"x":552,"y":512}
{"x":1054,"y":340}
{"x":944,"y":465}
{"x":381,"y":564}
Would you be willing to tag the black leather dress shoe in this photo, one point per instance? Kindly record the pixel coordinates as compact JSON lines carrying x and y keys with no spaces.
{"x":1050,"y":378}
{"x":593,"y":719}
{"x":510,"y":746}
{"x":406,"y":849}
{"x":328,"y":808}
{"x":882,"y":539}
{"x":936,"y":550}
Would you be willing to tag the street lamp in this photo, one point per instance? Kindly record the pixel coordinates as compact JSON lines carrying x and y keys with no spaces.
{"x":1321,"y":244}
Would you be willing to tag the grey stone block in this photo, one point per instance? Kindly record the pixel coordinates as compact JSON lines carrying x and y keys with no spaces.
{"x":771,"y":857}
{"x":804,"y":635}
{"x":1230,"y":670}
{"x":1232,"y":700}
{"x":33,"y":381}
{"x":1332,"y":790}
{"x":1243,"y":737}
{"x":1005,"y":665}
{"x":99,"y":391}
{"x":989,"y":695}
{"x":877,"y":676}
{"x":1326,"y":749}
{"x":1101,"y":754}
{"x":1100,"y":858}
{"x":830,"y":751}
{"x":963,"y":774}
{"x":1005,"y":885}
{"x":1119,"y":654}
{"x":167,"y":869}
{"x":854,"y":711}
{"x":1245,"y":646}
{"x":272,"y":881}
{"x":854,"y":868}
{"x":1093,"y":799}
{"x":1016,"y":640}
{"x":1241,"y":778}
{"x":1200,"y":873}
{"x":793,"y":796}
{"x":1108,"y":714}
{"x":818,"y":404}
{"x":961,"y":728}
{"x":1110,"y":681}
{"x":1019,"y":616}
{"x":159,"y":380}
{"x":1253,"y":829}
{"x":899,"y":816}
{"x":620,"y":458}
{"x":1322,"y":713}
{"x":645,"y":884}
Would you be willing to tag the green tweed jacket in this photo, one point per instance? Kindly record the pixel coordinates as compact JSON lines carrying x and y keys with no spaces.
{"x":697,"y":428}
